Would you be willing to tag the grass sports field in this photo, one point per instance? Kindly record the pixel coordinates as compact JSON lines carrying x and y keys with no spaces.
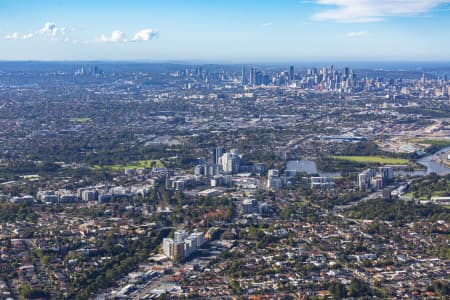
{"x":132,"y":165}
{"x":442,"y":143}
{"x":373,"y":160}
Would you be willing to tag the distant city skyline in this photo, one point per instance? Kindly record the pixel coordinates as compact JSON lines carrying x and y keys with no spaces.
{"x":226,"y":31}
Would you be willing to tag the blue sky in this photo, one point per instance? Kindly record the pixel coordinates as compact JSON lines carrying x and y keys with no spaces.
{"x":225,"y":31}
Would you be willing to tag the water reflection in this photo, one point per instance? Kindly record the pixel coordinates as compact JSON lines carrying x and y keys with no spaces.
{"x":309,"y":167}
{"x":433,"y":166}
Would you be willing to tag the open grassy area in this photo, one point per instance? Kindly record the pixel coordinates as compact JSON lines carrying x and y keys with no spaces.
{"x":442,"y":143}
{"x":148,"y":164}
{"x":30,"y":176}
{"x":410,"y":196}
{"x":373,"y":160}
{"x":80,"y":120}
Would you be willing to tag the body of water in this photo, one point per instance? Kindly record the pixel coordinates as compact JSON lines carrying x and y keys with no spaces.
{"x":432,"y":166}
{"x":310,"y":167}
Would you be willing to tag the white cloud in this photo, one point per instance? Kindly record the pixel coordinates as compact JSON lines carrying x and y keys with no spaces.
{"x":16,"y":36}
{"x":373,"y":10}
{"x":268,"y":24}
{"x":356,"y":34}
{"x":145,"y":35}
{"x":50,"y":29}
{"x":12,"y":36}
{"x":116,"y":36}
{"x":28,"y":36}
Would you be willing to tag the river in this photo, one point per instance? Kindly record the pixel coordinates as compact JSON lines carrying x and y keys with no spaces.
{"x":432,"y":166}
{"x":310,"y":167}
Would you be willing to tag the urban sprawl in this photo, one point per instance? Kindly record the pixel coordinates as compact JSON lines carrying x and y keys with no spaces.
{"x":170,"y":181}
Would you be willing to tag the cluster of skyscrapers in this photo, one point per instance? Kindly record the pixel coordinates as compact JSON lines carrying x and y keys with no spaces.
{"x":222,"y":162}
{"x":326,"y":78}
{"x":256,"y":77}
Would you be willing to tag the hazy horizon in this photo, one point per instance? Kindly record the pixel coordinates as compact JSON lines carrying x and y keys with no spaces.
{"x":226,"y":31}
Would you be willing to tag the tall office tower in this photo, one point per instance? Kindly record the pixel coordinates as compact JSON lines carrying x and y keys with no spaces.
{"x":258,"y":78}
{"x":291,"y":73}
{"x":230,"y":163}
{"x":324,"y":74}
{"x":346,"y":73}
{"x":199,"y":238}
{"x":387,"y":173}
{"x":253,"y":76}
{"x":218,"y":152}
{"x":199,"y":73}
{"x":243,"y":77}
{"x":178,"y":251}
{"x":266,"y":80}
{"x":168,"y":247}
